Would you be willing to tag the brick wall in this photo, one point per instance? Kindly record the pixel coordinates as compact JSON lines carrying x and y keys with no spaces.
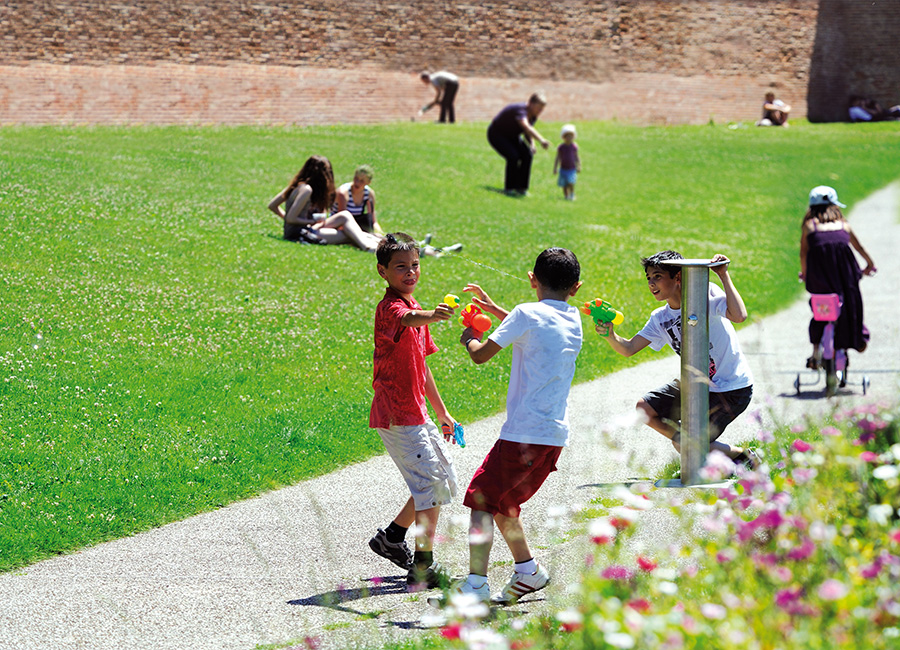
{"x":639,"y":60}
{"x":574,"y":40}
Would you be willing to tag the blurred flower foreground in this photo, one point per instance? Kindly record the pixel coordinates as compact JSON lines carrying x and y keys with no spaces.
{"x":802,"y":553}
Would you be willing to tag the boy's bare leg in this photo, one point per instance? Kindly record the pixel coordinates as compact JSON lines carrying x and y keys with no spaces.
{"x":652,"y":419}
{"x":481,"y":530}
{"x":426,"y":520}
{"x":514,"y":534}
{"x":407,"y":515}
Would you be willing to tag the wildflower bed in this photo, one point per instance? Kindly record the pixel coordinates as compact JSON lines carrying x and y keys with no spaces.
{"x":803,"y":553}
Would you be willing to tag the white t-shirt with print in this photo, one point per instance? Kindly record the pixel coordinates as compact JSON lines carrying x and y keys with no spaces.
{"x":546,"y":338}
{"x":728,"y":367}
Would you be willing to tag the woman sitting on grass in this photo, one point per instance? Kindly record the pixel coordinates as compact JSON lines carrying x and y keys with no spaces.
{"x":358,"y":199}
{"x":306,"y":200}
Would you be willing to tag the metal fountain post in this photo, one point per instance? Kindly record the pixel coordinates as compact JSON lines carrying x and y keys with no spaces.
{"x":694,"y":369}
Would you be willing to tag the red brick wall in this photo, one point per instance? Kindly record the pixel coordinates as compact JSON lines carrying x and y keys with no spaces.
{"x":575,"y":40}
{"x":636,"y":60}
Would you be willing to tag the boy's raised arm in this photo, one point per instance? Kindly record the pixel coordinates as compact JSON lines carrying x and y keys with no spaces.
{"x":484,"y":301}
{"x":735,"y":310}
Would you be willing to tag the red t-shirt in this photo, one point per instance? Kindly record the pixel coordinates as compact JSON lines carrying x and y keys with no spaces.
{"x":399,"y":378}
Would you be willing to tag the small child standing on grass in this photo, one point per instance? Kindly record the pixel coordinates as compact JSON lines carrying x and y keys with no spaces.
{"x":567,"y":162}
{"x":402,"y":383}
{"x":730,"y":380}
{"x":546,"y":338}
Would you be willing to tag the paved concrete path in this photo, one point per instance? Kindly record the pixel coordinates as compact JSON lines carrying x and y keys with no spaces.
{"x":294,"y":563}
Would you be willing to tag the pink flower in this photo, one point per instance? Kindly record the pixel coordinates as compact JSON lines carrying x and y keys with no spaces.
{"x":786,"y":598}
{"x":782,"y":573}
{"x":895,"y":535}
{"x":802,"y":475}
{"x":451,"y":632}
{"x":832,"y":590}
{"x":713,"y":611}
{"x":803,"y":551}
{"x":801,"y":445}
{"x":870,"y":571}
{"x":646,"y":564}
{"x":869,"y":457}
{"x":617,"y":572}
{"x":830,"y":431}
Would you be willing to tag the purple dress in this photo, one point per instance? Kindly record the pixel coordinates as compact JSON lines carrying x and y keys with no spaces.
{"x":831,"y":267}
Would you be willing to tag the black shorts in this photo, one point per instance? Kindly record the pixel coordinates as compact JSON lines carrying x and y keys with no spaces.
{"x":723,"y":407}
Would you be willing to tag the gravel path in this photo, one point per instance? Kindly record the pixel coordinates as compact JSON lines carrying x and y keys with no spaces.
{"x":294,"y":563}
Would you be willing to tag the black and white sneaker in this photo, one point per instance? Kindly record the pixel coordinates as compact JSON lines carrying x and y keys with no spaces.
{"x":398,"y":553}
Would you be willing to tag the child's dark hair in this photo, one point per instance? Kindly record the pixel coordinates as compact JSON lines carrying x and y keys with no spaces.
{"x":659,"y":258}
{"x":557,"y":269}
{"x":394,"y":242}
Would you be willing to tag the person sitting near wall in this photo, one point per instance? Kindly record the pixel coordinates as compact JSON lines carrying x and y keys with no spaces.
{"x":865,"y":109}
{"x":775,"y":112}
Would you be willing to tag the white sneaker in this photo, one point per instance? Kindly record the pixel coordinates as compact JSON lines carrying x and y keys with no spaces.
{"x":462,"y":594}
{"x":520,"y":584}
{"x":463,"y":588}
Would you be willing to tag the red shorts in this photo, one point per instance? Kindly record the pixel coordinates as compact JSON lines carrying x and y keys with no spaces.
{"x":509,"y":476}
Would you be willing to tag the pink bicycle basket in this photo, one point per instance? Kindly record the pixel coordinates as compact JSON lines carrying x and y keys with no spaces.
{"x":825,"y":306}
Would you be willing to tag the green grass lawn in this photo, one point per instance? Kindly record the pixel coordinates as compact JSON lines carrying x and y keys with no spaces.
{"x":164,"y":352}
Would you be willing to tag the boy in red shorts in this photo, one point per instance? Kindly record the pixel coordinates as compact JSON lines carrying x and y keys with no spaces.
{"x":546,"y":338}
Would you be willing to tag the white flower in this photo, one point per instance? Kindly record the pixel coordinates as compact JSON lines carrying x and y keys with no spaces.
{"x":668,"y":588}
{"x":483,"y":638}
{"x":880,"y":513}
{"x":467,"y":606}
{"x":619,"y":640}
{"x":886,"y":472}
{"x":630,"y":499}
{"x":601,"y":529}
{"x":821,"y":532}
{"x":569,"y":617}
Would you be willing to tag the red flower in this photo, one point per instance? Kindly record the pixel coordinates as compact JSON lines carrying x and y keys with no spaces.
{"x":639,"y":605}
{"x":451,"y":632}
{"x":646,"y":564}
{"x":619,"y":523}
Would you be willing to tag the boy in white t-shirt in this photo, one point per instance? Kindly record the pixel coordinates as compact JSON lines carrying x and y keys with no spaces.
{"x":546,"y":337}
{"x":731,"y":383}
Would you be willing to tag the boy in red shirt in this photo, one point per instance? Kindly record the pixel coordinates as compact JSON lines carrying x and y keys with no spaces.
{"x":402,"y":382}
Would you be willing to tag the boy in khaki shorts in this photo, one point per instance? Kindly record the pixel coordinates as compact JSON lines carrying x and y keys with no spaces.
{"x":546,"y":338}
{"x":402,"y":383}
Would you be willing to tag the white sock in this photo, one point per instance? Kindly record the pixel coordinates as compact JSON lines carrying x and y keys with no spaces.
{"x":476,"y":581}
{"x":528,"y":568}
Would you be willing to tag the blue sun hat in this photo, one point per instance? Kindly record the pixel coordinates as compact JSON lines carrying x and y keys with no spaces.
{"x":824,"y":195}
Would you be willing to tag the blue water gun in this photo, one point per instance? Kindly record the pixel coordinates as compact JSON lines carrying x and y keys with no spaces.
{"x":457,"y":433}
